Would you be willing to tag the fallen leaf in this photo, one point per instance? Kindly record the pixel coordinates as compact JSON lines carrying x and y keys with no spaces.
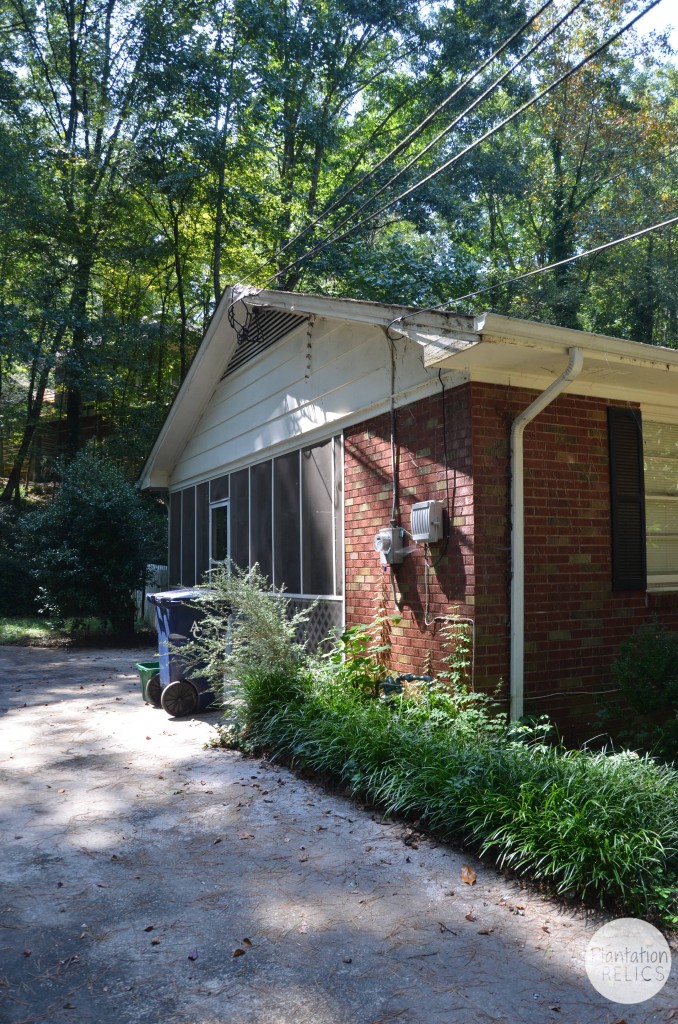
{"x":247,"y":942}
{"x":545,"y":928}
{"x":467,"y":874}
{"x":238,"y":952}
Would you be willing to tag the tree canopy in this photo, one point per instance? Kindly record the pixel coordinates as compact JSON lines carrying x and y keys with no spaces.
{"x":152,"y":154}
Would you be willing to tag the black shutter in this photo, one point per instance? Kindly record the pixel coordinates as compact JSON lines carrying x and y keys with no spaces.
{"x":629,"y":570}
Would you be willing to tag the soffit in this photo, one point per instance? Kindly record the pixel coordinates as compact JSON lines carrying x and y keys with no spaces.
{"x":531,"y":355}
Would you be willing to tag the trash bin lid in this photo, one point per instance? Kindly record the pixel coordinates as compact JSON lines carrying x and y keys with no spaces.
{"x":167,"y":597}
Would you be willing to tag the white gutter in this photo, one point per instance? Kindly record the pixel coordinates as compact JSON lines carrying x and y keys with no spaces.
{"x":573,"y":370}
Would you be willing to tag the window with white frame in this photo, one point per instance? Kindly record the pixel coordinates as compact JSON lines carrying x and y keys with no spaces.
{"x":660,"y":451}
{"x":219,"y":545}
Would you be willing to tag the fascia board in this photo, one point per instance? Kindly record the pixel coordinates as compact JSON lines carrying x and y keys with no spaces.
{"x":361,"y":311}
{"x":492,"y":327}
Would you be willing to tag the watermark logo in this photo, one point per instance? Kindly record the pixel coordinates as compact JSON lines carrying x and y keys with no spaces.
{"x":628,"y":960}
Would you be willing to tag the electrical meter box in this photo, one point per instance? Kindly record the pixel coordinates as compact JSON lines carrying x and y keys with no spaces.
{"x":427,"y":521}
{"x":389,"y":543}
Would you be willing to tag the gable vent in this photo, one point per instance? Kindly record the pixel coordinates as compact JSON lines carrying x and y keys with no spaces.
{"x":262,"y":328}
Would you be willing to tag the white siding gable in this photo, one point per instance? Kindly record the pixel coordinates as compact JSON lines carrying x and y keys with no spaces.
{"x":324,"y":375}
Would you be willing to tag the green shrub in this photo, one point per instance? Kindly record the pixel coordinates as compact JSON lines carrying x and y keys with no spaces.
{"x":646,"y":671}
{"x":18,"y":588}
{"x":92,"y":542}
{"x":248,"y":643}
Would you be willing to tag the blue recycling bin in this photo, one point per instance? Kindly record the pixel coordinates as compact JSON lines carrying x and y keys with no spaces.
{"x":178,"y":622}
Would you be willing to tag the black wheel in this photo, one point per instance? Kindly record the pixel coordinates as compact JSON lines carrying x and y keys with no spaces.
{"x":179,"y":698}
{"x":153,"y":690}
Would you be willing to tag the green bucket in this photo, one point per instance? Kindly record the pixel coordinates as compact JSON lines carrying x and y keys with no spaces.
{"x":149,"y":675}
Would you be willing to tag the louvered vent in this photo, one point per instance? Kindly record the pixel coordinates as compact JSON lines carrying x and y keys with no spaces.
{"x":262,"y":329}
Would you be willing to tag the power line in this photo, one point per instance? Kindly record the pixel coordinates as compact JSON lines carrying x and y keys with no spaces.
{"x":472,"y":106}
{"x":540,"y":270}
{"x":409,"y":138}
{"x":483,"y":138}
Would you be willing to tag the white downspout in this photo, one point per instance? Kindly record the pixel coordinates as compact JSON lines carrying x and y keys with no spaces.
{"x":573,"y":370}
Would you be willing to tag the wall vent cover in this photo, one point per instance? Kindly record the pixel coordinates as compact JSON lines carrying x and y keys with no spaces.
{"x":262,"y":328}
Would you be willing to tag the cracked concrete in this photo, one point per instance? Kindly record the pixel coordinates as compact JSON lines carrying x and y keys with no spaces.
{"x":147,"y":879}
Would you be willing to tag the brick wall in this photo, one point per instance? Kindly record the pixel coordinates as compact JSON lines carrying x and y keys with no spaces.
{"x":574,"y":621}
{"x":427,"y":468}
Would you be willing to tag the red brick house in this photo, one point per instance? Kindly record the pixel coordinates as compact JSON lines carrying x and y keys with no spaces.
{"x":307,"y":425}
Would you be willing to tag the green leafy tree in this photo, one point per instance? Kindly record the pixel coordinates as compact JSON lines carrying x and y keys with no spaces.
{"x":92,"y":542}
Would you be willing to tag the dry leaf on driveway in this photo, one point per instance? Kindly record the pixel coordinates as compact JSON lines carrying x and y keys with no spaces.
{"x":467,"y":874}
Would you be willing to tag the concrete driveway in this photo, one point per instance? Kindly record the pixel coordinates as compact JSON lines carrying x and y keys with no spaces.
{"x":148,"y":879}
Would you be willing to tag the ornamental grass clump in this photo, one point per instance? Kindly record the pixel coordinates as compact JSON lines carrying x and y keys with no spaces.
{"x":248,"y":644}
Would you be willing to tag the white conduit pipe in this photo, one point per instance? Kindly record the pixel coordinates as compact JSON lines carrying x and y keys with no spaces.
{"x":573,"y":370}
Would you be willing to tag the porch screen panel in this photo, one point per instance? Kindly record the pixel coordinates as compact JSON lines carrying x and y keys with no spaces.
{"x":174,"y":564}
{"x":219,"y":488}
{"x":261,"y":518}
{"x":240,"y":518}
{"x":188,"y":536}
{"x":202,"y":525}
{"x":317,"y":487}
{"x":287,"y":536}
{"x":627,"y":499}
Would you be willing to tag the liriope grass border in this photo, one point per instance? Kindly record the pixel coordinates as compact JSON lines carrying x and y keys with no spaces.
{"x":600,"y":828}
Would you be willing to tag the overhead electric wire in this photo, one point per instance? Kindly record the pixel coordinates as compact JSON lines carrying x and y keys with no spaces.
{"x":409,"y":138}
{"x":331,"y":238}
{"x":538,"y":270}
{"x":460,"y":117}
{"x":562,"y":263}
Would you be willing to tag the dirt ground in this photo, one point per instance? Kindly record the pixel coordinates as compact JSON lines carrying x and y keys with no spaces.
{"x":146,"y":879}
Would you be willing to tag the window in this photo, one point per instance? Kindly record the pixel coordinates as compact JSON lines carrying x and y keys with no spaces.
{"x":660,"y":449}
{"x":644,"y":501}
{"x":219,"y":537}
